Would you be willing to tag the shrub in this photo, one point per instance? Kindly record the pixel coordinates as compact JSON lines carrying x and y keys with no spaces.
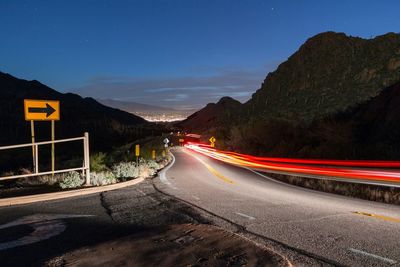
{"x":153,"y":165}
{"x":97,"y":162}
{"x":146,"y":171}
{"x":40,"y":180}
{"x":102,"y":178}
{"x":50,"y":179}
{"x":125,"y":170}
{"x":71,"y":180}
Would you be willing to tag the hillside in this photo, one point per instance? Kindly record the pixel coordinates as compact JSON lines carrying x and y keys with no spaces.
{"x":212,"y":116}
{"x":336,"y":97}
{"x":329,"y":73}
{"x":107,"y":126}
{"x":377,"y":124}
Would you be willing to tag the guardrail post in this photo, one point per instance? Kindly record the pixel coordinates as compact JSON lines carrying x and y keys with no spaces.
{"x":36,"y":159}
{"x":86,"y":158}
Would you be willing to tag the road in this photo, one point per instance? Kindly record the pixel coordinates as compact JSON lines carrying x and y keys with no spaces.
{"x":333,"y":228}
{"x":132,"y":226}
{"x":34,"y":234}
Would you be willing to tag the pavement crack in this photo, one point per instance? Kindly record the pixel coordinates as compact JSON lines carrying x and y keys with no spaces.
{"x":103,"y":203}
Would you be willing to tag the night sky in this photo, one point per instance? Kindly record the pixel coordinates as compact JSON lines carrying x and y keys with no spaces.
{"x":171,"y":53}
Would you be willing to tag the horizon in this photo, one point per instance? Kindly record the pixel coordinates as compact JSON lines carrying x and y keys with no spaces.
{"x":186,"y":53}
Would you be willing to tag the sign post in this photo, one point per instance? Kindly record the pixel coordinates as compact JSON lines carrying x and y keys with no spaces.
{"x":212,"y":141}
{"x":33,"y":147}
{"x":42,"y":110}
{"x":166,"y":141}
{"x":137,"y":154}
{"x":52,"y":148}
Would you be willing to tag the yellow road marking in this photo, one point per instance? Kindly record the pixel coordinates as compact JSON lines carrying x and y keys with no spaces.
{"x":220,"y":176}
{"x":214,"y":171}
{"x":382,"y":217}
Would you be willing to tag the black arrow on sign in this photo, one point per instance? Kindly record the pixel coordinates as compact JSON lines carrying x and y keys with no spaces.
{"x":48,"y":110}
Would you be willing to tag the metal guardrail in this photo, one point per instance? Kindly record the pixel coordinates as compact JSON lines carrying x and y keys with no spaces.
{"x":332,"y":178}
{"x":85,"y":166}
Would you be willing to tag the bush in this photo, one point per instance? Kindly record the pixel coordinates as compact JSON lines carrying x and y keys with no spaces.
{"x":40,"y":180}
{"x":49,"y":179}
{"x":102,"y":178}
{"x":153,"y":165}
{"x":97,"y":162}
{"x":125,"y":170}
{"x":71,"y":180}
{"x":145,"y":171}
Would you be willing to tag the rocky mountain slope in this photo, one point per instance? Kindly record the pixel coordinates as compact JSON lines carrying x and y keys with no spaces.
{"x":335,"y":97}
{"x":329,"y":73}
{"x":211,"y":116}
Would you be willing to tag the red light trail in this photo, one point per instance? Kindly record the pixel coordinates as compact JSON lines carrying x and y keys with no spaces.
{"x":329,"y":168}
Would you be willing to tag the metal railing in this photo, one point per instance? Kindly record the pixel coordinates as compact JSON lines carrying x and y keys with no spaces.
{"x":85,"y":166}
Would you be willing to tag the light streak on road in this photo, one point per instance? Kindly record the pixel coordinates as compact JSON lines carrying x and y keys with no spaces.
{"x":327,"y":168}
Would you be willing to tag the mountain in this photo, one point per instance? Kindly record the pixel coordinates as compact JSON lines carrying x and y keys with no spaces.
{"x":211,"y":116}
{"x":107,"y":126}
{"x":133,"y":107}
{"x":366,"y":131}
{"x":336,"y":97}
{"x":329,"y":73}
{"x":376,"y":125}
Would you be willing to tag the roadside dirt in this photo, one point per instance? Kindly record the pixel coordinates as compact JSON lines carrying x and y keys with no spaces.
{"x":176,"y":245}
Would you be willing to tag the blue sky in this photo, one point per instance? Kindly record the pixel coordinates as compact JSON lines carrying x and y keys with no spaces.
{"x":171,"y":53}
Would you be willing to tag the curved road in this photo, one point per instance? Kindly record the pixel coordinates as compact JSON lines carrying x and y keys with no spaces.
{"x":335,"y":228}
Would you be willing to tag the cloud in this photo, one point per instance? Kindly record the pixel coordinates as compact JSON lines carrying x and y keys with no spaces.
{"x":194,"y":91}
{"x":177,"y":98}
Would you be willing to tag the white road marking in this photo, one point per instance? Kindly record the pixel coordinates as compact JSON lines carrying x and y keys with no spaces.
{"x":269,"y":178}
{"x":245,"y":215}
{"x":314,"y":219}
{"x":197,"y":198}
{"x":44,"y":227}
{"x":162,"y":176}
{"x":373,"y":256}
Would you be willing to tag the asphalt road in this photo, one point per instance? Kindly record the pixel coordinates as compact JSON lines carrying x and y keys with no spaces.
{"x":132,"y":226}
{"x":40,"y":233}
{"x":330,"y":227}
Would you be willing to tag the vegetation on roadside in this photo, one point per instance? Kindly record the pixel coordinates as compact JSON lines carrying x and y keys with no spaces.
{"x":70,"y":180}
{"x":377,"y":193}
{"x":118,"y":165}
{"x":101,"y":175}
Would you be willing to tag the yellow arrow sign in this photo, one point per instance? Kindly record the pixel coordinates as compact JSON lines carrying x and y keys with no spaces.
{"x":41,"y":110}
